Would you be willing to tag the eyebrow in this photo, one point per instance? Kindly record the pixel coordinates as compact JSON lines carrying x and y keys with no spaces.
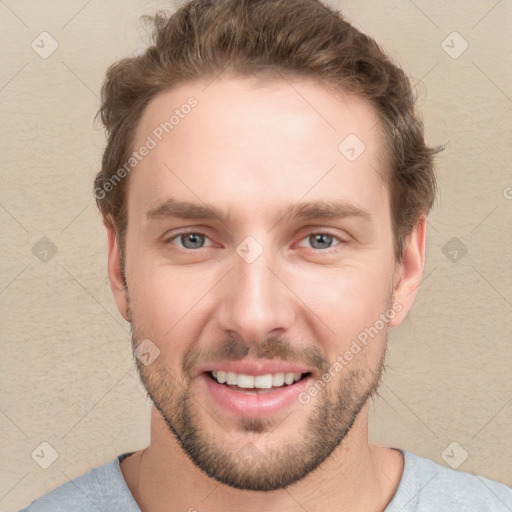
{"x":186,"y":210}
{"x":326,"y":210}
{"x":301,"y":211}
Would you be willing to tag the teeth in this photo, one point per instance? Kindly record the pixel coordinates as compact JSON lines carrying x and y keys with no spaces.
{"x":278,"y":379}
{"x":245,"y":381}
{"x":263,"y":381}
{"x":288,"y":378}
{"x":259,"y":382}
{"x":232,"y":378}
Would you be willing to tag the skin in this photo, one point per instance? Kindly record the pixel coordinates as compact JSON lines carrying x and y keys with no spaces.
{"x":252,"y":150}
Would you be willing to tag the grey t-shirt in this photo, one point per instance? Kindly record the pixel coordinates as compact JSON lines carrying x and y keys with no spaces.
{"x":424,"y":487}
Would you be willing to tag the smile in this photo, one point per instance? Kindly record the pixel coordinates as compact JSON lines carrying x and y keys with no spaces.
{"x":254,"y":396}
{"x":267,"y":381}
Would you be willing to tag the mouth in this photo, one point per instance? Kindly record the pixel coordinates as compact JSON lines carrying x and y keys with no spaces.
{"x":256,"y":384}
{"x":256,"y":390}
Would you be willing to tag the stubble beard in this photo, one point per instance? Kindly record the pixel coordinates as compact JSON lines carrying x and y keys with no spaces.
{"x":249,"y":468}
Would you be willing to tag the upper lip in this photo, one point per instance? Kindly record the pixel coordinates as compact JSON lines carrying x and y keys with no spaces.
{"x":254,"y":367}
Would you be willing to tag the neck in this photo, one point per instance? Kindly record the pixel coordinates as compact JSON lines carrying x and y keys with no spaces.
{"x":357,"y":476}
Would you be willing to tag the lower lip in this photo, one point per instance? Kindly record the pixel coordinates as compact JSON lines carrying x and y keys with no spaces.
{"x":254,"y":405}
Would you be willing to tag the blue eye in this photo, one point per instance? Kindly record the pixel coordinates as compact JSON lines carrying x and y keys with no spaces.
{"x":190,"y":240}
{"x":195,"y":240}
{"x":321,"y":240}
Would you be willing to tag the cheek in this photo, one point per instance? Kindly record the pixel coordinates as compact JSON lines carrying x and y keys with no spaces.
{"x":168,"y":302}
{"x":347,"y":301}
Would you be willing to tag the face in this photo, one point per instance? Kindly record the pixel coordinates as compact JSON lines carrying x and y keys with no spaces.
{"x":259,"y":255}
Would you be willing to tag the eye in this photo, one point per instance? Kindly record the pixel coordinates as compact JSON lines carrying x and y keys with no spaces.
{"x":320,"y":241}
{"x":190,"y":240}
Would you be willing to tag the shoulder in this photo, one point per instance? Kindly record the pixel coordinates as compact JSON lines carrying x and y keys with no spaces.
{"x":428,"y":486}
{"x":101,"y":488}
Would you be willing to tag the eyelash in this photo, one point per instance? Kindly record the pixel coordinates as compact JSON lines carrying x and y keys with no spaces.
{"x":169,"y":241}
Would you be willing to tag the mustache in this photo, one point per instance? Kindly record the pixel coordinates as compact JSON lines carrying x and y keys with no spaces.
{"x":274,"y":347}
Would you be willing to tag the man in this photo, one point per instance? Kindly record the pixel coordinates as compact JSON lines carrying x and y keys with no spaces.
{"x":264,"y":189}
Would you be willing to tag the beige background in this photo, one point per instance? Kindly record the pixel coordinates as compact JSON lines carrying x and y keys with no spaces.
{"x":67,"y":378}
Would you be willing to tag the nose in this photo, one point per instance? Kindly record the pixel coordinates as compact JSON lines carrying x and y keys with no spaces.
{"x":255,"y":302}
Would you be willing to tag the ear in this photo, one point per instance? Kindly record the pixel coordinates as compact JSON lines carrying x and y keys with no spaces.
{"x":409,"y":271}
{"x":115,"y":273}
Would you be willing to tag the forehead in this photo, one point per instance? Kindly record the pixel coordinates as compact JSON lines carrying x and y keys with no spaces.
{"x":250,"y":145}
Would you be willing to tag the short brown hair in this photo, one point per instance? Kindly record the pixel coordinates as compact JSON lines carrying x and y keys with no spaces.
{"x":299,"y":38}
